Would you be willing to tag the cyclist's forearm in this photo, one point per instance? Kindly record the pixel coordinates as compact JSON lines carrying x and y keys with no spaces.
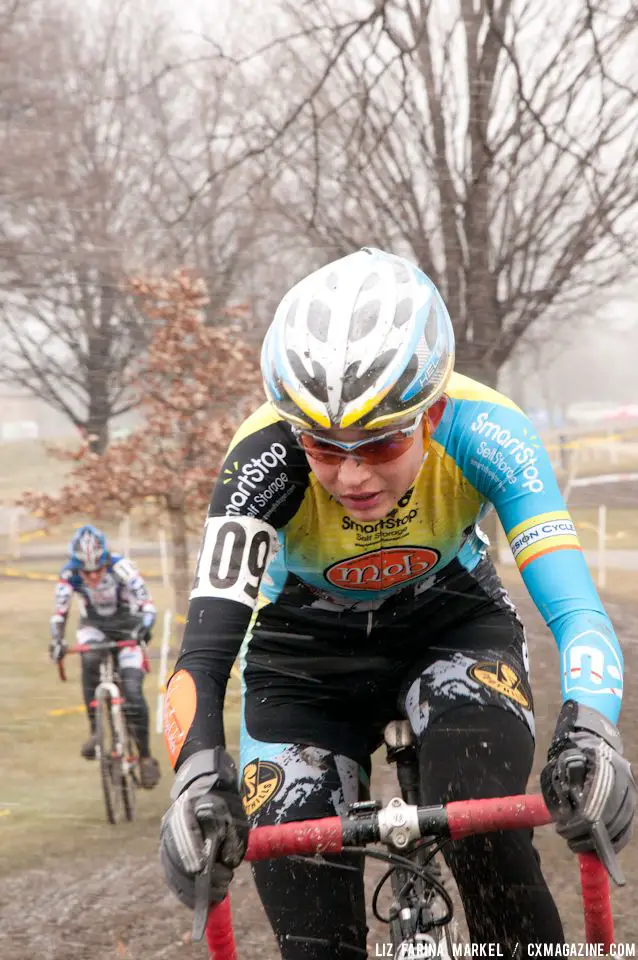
{"x":195,"y":696}
{"x":545,"y":545}
{"x":508,"y":464}
{"x":193,"y":716}
{"x":57,"y":625}
{"x":591,"y":660}
{"x":63,"y":597}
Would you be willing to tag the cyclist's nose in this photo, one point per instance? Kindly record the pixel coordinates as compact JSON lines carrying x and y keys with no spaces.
{"x":352,"y":470}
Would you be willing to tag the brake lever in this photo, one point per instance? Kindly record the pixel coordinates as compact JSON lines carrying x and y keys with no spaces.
{"x":212,"y":843}
{"x":575,"y":768}
{"x":606,"y":853}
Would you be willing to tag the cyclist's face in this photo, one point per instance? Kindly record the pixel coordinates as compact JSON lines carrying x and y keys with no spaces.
{"x":370,"y":490}
{"x":92,"y":577}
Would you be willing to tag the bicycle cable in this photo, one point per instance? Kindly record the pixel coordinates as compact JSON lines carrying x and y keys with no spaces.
{"x":409,"y":866}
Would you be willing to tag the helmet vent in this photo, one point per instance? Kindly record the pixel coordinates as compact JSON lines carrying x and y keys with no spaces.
{"x":354,"y":386}
{"x":319,"y":320}
{"x":401,"y":273}
{"x":317,"y":384}
{"x":370,"y":281}
{"x":407,"y":376}
{"x":290,"y":316}
{"x":364,"y":320}
{"x":403,"y":312}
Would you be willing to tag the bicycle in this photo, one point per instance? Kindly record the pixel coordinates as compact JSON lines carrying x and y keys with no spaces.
{"x":116,"y":750}
{"x":414,"y":835}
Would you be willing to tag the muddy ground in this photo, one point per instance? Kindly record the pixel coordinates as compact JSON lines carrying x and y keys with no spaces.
{"x":84,"y":907}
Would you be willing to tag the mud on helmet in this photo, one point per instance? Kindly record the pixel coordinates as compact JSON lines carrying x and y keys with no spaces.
{"x":364,"y":341}
{"x":88,"y":550}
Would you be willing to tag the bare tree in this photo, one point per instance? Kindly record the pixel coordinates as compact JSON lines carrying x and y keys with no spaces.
{"x":494,"y":142}
{"x":78,"y":194}
{"x":215,"y":199}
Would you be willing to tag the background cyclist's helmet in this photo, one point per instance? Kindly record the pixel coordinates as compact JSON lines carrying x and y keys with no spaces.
{"x":364,"y":341}
{"x":88,"y":549}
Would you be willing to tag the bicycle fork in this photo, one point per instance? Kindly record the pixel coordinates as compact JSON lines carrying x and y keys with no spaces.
{"x":109,"y":700}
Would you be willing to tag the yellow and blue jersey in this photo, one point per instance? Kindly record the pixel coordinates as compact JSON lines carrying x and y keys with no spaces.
{"x":275,"y":536}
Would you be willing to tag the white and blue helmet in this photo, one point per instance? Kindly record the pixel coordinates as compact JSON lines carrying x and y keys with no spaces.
{"x":364,"y":341}
{"x":88,"y":549}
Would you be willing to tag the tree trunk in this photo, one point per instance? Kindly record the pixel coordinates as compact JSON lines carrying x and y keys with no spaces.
{"x":98,"y":318}
{"x":478,"y":368}
{"x":97,"y":425}
{"x":181,"y":572}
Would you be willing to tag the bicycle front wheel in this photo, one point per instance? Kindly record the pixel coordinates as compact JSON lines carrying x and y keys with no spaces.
{"x":110,"y":761}
{"x":417,"y":905}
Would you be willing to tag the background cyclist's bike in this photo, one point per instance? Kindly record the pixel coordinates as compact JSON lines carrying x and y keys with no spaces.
{"x":116,"y":750}
{"x":420,"y":918}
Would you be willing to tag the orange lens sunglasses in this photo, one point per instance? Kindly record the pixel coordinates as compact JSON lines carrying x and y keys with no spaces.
{"x":380,"y":449}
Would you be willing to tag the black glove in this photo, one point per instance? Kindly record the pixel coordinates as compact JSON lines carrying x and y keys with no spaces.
{"x":143,"y":632}
{"x":57,"y":650}
{"x":206,"y":798}
{"x":587,"y":779}
{"x":57,"y":646}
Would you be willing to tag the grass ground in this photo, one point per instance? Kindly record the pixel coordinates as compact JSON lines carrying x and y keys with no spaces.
{"x":50,"y":799}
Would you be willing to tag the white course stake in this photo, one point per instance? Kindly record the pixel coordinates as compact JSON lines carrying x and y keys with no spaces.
{"x":163,"y":670}
{"x":166,"y":579}
{"x":602,"y":543}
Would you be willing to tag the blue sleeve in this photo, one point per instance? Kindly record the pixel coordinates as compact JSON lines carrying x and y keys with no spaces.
{"x":500,"y":454}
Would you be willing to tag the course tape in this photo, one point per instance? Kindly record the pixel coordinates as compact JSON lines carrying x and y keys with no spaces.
{"x":26,"y":574}
{"x":63,"y":711}
{"x":35,"y":535}
{"x":603,"y":478}
{"x":595,"y":440}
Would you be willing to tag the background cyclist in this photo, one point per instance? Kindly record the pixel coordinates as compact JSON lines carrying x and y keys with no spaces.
{"x":115,"y":604}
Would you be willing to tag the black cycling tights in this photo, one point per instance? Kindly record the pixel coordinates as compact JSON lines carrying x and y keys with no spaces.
{"x":135,"y":706}
{"x":318,"y":911}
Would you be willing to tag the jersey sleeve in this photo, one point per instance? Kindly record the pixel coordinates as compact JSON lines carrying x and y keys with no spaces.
{"x":260,"y":487}
{"x":63,"y":597}
{"x":497,"y":449}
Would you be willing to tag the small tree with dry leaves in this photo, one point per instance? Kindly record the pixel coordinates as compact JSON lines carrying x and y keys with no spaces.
{"x":195,"y":383}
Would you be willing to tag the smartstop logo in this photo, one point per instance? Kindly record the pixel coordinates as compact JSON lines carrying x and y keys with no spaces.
{"x":510,"y":451}
{"x":248,"y":480}
{"x":387,"y":523}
